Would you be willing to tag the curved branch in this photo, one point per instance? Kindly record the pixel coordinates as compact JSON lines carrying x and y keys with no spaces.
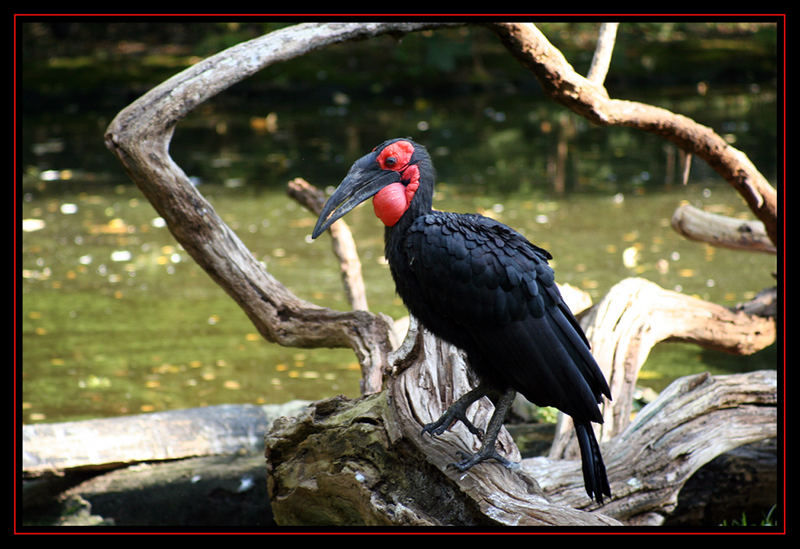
{"x":591,"y":100}
{"x":632,"y":318}
{"x":140,"y":135}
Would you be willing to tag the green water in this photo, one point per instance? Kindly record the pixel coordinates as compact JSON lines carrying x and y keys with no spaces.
{"x":117,"y":319}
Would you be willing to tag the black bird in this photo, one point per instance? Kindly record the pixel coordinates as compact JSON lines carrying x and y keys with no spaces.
{"x":486,"y":289}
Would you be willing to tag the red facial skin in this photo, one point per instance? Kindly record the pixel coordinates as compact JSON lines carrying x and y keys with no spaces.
{"x":391,"y":202}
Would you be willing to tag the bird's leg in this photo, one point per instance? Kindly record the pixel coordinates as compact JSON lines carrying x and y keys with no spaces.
{"x":458,"y":412}
{"x":488,"y":449}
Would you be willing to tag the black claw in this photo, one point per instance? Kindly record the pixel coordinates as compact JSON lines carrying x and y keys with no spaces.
{"x":484,"y":454}
{"x":447,"y":420}
{"x":457,"y":412}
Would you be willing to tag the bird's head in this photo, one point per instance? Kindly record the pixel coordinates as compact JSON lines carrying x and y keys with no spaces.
{"x":392,"y":173}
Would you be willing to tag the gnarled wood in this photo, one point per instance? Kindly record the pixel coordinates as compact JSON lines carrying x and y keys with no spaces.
{"x":631,"y":319}
{"x":691,"y":422}
{"x":140,"y":135}
{"x":369,"y":458}
{"x":591,"y":100}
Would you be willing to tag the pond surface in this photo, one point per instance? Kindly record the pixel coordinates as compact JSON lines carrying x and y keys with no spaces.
{"x":117,"y":318}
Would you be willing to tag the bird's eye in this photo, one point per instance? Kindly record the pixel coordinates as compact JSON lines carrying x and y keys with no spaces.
{"x":390,"y":161}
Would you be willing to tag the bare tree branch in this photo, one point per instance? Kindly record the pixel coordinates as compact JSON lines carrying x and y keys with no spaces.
{"x":718,"y":230}
{"x":602,"y":53}
{"x":344,"y":247}
{"x":140,"y":135}
{"x":591,"y":100}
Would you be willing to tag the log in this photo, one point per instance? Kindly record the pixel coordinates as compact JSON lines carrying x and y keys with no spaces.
{"x":346,"y":463}
{"x":111,"y":465}
{"x":719,"y":230}
{"x":108,"y":443}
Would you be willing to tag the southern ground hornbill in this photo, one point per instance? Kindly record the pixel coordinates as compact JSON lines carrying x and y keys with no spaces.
{"x":484,"y":288}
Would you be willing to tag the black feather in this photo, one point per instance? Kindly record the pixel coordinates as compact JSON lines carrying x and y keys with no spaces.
{"x":484,"y":288}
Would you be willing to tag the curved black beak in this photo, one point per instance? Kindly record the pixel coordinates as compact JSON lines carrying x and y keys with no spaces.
{"x":364,"y":179}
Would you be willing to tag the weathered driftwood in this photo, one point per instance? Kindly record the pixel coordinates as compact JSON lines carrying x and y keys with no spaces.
{"x":691,"y":422}
{"x":107,"y":443}
{"x":140,"y":137}
{"x":719,"y":230}
{"x":346,"y":463}
{"x":354,"y":455}
{"x":631,"y":319}
{"x":74,"y":458}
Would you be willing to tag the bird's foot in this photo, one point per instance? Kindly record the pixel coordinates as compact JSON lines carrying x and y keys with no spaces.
{"x":485,"y":453}
{"x":457,"y":412}
{"x":448,"y":419}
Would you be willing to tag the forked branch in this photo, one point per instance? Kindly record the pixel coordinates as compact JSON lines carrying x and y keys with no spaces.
{"x":591,"y":100}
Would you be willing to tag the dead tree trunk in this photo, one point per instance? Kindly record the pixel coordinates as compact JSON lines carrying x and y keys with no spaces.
{"x":425,"y":374}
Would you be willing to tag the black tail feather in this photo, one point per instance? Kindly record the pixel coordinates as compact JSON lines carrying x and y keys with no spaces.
{"x":594,"y":471}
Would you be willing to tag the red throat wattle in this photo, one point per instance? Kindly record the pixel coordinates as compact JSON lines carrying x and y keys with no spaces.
{"x":392,"y":201}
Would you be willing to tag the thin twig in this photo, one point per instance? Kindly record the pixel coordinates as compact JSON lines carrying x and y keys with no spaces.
{"x":344,"y":247}
{"x":602,"y":53}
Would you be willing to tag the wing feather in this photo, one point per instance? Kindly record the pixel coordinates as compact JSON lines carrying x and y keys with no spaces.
{"x":490,"y":291}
